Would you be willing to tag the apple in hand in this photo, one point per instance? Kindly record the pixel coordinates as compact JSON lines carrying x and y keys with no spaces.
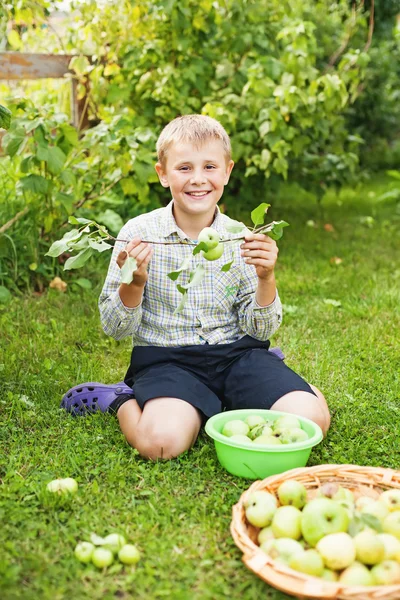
{"x":63,"y":486}
{"x":386,"y":573}
{"x":322,"y":516}
{"x":287,"y":421}
{"x":337,"y":550}
{"x":308,"y":561}
{"x":286,"y":523}
{"x":291,"y":435}
{"x":84,"y":551}
{"x":370,"y":549}
{"x":391,"y":498}
{"x":102,"y":557}
{"x":281,"y":550}
{"x":260,"y":508}
{"x":129,"y":554}
{"x":235,"y":427}
{"x":210,"y":237}
{"x":292,"y":493}
{"x":356,"y":574}
{"x":215,"y":253}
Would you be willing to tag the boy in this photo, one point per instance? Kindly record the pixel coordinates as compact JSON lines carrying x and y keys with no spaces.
{"x":213,"y":355}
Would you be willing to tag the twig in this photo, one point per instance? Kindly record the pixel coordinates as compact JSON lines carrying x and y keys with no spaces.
{"x":371,"y":26}
{"x":346,"y":41}
{"x":11,"y":222}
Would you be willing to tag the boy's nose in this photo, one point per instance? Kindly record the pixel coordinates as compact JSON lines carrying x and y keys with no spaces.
{"x":198,"y":178}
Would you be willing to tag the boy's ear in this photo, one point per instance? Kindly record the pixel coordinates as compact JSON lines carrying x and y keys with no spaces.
{"x":229,"y":168}
{"x":161,"y":174}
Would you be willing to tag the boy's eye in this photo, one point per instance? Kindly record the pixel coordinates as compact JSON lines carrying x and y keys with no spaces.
{"x":209,"y":167}
{"x":184,"y":168}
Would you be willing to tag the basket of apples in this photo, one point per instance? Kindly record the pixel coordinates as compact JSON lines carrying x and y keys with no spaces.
{"x":329,"y":531}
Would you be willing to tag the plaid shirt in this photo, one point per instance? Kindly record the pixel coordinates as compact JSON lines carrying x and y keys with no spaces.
{"x":220,"y":310}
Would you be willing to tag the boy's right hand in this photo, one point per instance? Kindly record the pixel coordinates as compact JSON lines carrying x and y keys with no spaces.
{"x":143,"y":252}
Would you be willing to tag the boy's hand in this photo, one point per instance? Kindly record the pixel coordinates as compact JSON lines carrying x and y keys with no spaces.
{"x":143,"y":253}
{"x":261,"y":251}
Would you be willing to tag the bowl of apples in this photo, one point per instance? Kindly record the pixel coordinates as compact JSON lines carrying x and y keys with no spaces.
{"x":257,"y":443}
{"x":329,"y":531}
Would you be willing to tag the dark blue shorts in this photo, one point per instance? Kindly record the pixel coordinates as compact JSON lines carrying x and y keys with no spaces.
{"x":212,"y":378}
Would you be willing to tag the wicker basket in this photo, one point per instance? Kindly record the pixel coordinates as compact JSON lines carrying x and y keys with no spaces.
{"x":362,"y":481}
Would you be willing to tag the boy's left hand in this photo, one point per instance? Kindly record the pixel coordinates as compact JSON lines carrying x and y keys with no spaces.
{"x":261,"y":251}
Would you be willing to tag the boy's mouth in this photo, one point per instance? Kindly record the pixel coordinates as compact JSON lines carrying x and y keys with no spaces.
{"x":198,"y":194}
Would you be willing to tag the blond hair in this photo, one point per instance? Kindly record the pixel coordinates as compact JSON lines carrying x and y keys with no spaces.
{"x":196,"y":129}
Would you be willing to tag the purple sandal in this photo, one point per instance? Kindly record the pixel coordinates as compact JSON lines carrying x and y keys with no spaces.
{"x":278,"y":352}
{"x":92,"y":397}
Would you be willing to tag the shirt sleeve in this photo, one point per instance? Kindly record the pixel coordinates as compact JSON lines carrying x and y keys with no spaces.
{"x":260,"y":322}
{"x":118,"y":320}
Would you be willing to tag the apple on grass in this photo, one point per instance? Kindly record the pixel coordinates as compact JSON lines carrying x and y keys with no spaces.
{"x":308,"y":561}
{"x":63,"y":486}
{"x":129,"y":554}
{"x":338,"y":550}
{"x":356,"y":574}
{"x":84,"y":551}
{"x":320,"y":517}
{"x":210,"y":237}
{"x":102,"y":557}
{"x":260,"y":508}
{"x":235,"y":427}
{"x":114,"y":542}
{"x":386,"y":573}
{"x":286,"y":523}
{"x":292,"y":493}
{"x":282,"y":549}
{"x":215,"y":253}
{"x":370,"y":549}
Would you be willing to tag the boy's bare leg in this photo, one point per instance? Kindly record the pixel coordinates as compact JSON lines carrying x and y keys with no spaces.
{"x":164,"y":429}
{"x":307,"y":405}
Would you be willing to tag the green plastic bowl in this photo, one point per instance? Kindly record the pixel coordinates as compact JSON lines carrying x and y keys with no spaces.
{"x":258,"y":462}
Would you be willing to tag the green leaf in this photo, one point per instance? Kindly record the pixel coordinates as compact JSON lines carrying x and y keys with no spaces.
{"x":5,"y":295}
{"x":99,"y":245}
{"x":42,"y":152}
{"x":56,"y":160}
{"x":78,"y":220}
{"x":66,"y":200}
{"x":128,"y":269}
{"x":111,"y":219}
{"x":174,"y":275}
{"x":258,"y":214}
{"x":372,"y":521}
{"x":196,"y":276}
{"x":235,"y":228}
{"x":79,"y":64}
{"x":5,"y":117}
{"x":394,"y":174}
{"x":14,"y":142}
{"x":57,"y":248}
{"x":277,"y":229}
{"x":182,"y":303}
{"x":35,"y":183}
{"x":227,"y":266}
{"x":183,"y":267}
{"x":201,"y":246}
{"x":75,"y":262}
{"x":84,"y":283}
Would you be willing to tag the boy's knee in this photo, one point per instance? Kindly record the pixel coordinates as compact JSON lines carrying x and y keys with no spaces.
{"x":157,"y":443}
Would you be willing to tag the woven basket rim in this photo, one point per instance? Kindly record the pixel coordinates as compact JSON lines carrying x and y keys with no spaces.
{"x":289,"y":580}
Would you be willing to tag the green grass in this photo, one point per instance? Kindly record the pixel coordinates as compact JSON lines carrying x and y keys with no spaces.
{"x":178,"y":512}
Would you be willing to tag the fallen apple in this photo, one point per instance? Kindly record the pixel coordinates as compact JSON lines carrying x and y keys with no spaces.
{"x":391,"y":498}
{"x":129,"y":554}
{"x":114,"y":542}
{"x":320,"y":517}
{"x":215,"y":253}
{"x":235,"y":427}
{"x":337,"y":550}
{"x":286,"y":523}
{"x":102,"y":557}
{"x":260,"y":508}
{"x":292,"y":493}
{"x":63,"y":486}
{"x":84,"y":551}
{"x":370,"y":550}
{"x":308,"y":561}
{"x":356,"y":574}
{"x":210,"y":237}
{"x":386,"y":573}
{"x":287,"y":421}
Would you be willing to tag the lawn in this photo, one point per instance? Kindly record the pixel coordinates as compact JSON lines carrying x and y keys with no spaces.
{"x":340,"y":331}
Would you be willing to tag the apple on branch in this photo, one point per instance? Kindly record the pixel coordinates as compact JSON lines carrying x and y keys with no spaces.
{"x":210,"y":237}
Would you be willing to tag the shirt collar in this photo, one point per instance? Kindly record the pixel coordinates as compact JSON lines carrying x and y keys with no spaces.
{"x":169,"y":226}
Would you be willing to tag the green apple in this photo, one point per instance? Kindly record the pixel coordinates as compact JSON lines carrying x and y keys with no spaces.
{"x":129,"y":554}
{"x":376,"y":508}
{"x":102,"y":557}
{"x":210,"y":237}
{"x":114,"y":542}
{"x":370,"y":550}
{"x":286,"y":523}
{"x":84,"y":551}
{"x":391,"y":524}
{"x":293,"y":435}
{"x":235,"y":427}
{"x":254,"y":420}
{"x":336,"y":492}
{"x":337,"y":550}
{"x":356,"y":574}
{"x":386,"y":573}
{"x":392,"y":546}
{"x":292,"y":493}
{"x":362,"y":501}
{"x":63,"y":486}
{"x":286,"y":422}
{"x":215,"y":253}
{"x":308,"y":561}
{"x":260,"y":508}
{"x":329,"y":575}
{"x":239,"y":437}
{"x":282,"y":550}
{"x":391,"y":498}
{"x":265,"y":534}
{"x":260,"y":430}
{"x":267,"y":440}
{"x":320,"y":517}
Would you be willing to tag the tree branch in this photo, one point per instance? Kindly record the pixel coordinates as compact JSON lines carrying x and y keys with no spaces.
{"x":11,"y":222}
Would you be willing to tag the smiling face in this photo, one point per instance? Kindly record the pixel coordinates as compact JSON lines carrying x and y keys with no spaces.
{"x":196,"y":177}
